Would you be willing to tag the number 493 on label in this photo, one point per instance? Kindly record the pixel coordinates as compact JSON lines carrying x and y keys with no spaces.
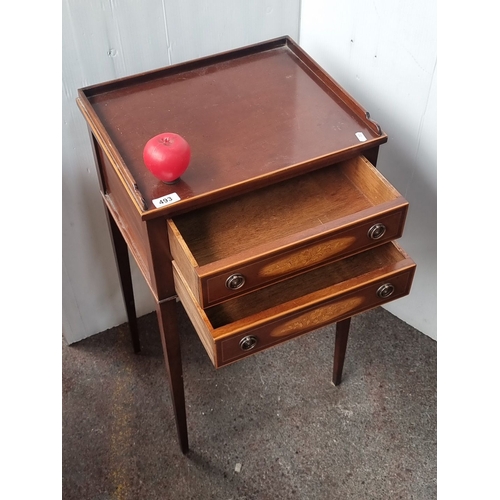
{"x":166,"y":200}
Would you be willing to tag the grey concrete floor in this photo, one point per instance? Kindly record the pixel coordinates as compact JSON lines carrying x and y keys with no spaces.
{"x":277,"y":414}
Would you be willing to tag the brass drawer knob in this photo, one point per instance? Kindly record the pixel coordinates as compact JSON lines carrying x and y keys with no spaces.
{"x":248,"y":342}
{"x":235,"y":281}
{"x":376,"y":231}
{"x":385,"y":290}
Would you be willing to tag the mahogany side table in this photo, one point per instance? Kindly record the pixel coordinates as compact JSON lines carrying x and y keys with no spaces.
{"x":281,"y":224}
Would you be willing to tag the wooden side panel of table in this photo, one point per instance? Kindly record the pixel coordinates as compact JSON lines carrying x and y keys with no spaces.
{"x":148,"y":244}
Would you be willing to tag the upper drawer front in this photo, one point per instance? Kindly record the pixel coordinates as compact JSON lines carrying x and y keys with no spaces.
{"x":243,"y":244}
{"x":268,"y":269}
{"x":271,"y":315}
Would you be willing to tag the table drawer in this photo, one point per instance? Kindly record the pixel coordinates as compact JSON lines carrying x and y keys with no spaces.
{"x":246,"y":325}
{"x":242,"y":244}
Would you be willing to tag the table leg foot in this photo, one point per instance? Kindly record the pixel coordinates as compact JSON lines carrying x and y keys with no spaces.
{"x":123,"y":264}
{"x":341,"y":336}
{"x":167,"y":321}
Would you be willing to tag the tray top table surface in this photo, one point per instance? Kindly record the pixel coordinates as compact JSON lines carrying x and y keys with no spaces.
{"x":251,"y":117}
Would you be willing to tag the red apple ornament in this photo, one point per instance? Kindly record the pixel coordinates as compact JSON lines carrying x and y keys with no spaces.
{"x":167,"y":156}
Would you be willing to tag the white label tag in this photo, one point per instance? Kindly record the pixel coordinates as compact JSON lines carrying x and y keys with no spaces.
{"x":361,"y":136}
{"x":166,"y":200}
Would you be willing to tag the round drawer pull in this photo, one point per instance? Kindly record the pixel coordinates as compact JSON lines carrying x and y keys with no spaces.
{"x":235,"y":281}
{"x":376,"y":231}
{"x":248,"y":342}
{"x":385,"y":291}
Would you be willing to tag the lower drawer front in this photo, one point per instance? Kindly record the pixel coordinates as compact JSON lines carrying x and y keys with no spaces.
{"x":265,"y":318}
{"x":295,"y":324}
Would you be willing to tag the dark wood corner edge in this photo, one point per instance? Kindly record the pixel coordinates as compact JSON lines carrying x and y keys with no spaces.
{"x":191,"y":64}
{"x":105,"y":143}
{"x":329,"y":83}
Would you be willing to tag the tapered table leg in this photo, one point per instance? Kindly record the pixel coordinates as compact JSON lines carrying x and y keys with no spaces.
{"x":167,"y":322}
{"x":123,"y":265}
{"x":341,"y":336}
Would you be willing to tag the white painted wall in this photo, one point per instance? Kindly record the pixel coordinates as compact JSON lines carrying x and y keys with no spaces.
{"x":107,"y":39}
{"x":383,"y":52}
